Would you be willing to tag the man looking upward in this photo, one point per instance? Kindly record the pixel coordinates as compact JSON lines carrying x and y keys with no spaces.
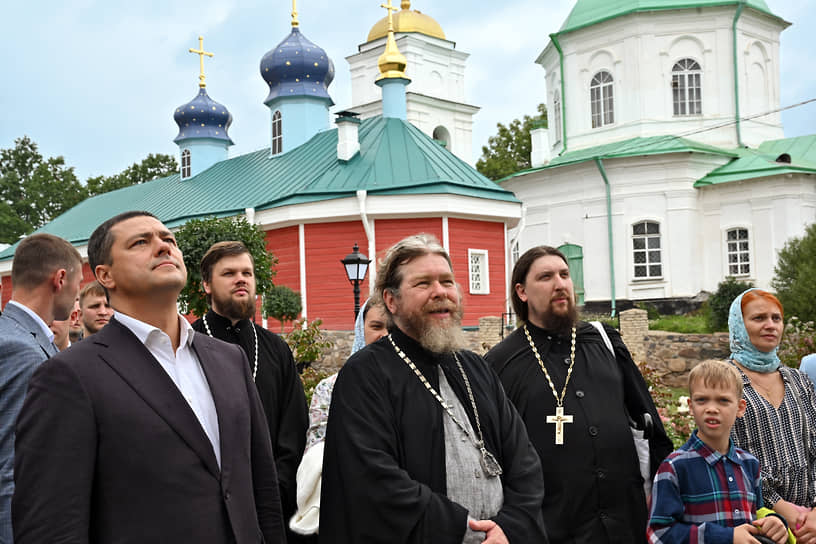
{"x":95,"y":311}
{"x":422,"y":445}
{"x":228,"y":277}
{"x":574,"y":395}
{"x":146,"y":432}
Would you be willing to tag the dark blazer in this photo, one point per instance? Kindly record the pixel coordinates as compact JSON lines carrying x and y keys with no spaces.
{"x":108,"y":450}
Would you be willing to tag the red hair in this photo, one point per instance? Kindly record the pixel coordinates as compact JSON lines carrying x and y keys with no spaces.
{"x":757,"y":294}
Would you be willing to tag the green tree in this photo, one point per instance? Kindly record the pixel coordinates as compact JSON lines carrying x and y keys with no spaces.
{"x":509,"y":150}
{"x":795,"y":281}
{"x":196,"y":237}
{"x":33,"y":190}
{"x":152,"y":167}
{"x":719,"y":304}
{"x":283,"y":304}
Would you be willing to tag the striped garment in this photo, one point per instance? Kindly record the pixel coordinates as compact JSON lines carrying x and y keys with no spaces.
{"x":700,"y":495}
{"x":784,"y":439}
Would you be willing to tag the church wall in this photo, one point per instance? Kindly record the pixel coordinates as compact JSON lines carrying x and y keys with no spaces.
{"x":390,"y":231}
{"x":330,"y":295}
{"x":467,"y":234}
{"x":284,"y":244}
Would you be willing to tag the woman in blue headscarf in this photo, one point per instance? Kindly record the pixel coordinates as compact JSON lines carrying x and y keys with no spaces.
{"x":779,"y":425}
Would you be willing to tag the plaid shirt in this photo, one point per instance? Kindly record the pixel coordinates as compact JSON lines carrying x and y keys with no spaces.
{"x":700,"y":495}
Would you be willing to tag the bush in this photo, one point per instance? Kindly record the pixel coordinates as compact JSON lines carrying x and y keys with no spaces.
{"x":196,"y":237}
{"x":310,"y":378}
{"x":799,"y":340}
{"x":283,"y":304}
{"x":307,"y":342}
{"x":651,"y":310}
{"x":720,"y":302}
{"x":678,"y":423}
{"x":795,"y":280}
{"x":686,"y":324}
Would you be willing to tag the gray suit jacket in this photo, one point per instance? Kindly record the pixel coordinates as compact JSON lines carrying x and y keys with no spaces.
{"x":23,"y":347}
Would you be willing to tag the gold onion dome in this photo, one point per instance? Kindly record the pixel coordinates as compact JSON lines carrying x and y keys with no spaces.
{"x":407,"y":20}
{"x":391,"y":63}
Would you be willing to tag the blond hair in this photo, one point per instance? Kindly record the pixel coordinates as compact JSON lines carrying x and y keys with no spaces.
{"x":716,"y":373}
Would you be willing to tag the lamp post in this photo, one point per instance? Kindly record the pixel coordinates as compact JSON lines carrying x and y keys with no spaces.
{"x":356,"y":265}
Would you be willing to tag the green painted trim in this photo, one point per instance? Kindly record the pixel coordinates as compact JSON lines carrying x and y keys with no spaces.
{"x":737,"y":15}
{"x":601,"y":169}
{"x":554,"y":38}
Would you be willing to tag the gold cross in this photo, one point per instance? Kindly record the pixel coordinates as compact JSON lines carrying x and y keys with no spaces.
{"x":294,"y":14}
{"x":391,"y":9}
{"x":559,"y":419}
{"x":200,"y":52}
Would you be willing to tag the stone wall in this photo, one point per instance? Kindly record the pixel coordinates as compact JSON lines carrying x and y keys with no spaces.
{"x":671,"y":354}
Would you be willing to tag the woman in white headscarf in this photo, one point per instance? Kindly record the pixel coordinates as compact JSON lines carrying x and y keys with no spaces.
{"x":370,"y":326}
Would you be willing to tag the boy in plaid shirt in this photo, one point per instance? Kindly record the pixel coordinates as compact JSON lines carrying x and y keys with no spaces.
{"x":709,"y":490}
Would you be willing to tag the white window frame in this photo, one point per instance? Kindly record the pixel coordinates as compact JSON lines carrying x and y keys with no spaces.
{"x":647,"y":251}
{"x":687,"y":88}
{"x":480,"y":286}
{"x":277,"y":133}
{"x":747,"y":252}
{"x":186,"y":164}
{"x":602,"y":99}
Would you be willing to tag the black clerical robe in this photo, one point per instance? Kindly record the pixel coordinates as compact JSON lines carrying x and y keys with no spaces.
{"x":282,"y":396}
{"x":384,"y":463}
{"x":594,"y":488}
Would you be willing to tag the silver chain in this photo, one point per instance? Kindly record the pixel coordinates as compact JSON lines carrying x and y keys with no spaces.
{"x":559,"y":400}
{"x":254,"y":334}
{"x":489,"y":463}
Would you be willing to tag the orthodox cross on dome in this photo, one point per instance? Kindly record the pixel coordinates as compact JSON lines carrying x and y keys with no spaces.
{"x":391,"y":9}
{"x":295,"y":22}
{"x":200,"y":52}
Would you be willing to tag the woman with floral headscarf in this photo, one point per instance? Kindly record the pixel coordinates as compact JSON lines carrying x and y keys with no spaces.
{"x":779,"y":425}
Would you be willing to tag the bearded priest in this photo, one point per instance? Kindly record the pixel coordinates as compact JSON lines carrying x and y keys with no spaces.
{"x":422,"y":444}
{"x":577,"y":399}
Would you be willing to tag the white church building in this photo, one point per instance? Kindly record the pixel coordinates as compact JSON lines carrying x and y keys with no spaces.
{"x":664,"y":169}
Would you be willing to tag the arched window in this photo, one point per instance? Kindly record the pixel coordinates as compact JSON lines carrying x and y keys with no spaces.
{"x":441,"y":135}
{"x":646,"y":250}
{"x":601,"y":99}
{"x":185,"y":164}
{"x":687,"y":91}
{"x":277,"y":133}
{"x":557,"y":116}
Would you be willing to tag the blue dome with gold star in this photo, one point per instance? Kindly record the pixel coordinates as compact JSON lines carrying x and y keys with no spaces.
{"x":297,"y":67}
{"x":203,"y":117}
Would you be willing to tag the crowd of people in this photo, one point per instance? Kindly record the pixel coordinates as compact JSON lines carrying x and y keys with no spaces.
{"x":122,"y":422}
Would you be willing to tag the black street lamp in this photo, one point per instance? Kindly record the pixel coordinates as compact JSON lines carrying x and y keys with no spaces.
{"x":356,"y":267}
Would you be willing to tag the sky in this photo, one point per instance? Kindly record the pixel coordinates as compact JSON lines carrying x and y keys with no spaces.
{"x":97,"y":82}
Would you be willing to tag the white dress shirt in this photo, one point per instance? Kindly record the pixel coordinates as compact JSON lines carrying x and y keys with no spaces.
{"x":184,"y":369}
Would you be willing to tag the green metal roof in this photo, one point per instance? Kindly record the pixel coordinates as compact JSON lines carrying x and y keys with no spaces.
{"x":590,"y":12}
{"x":633,"y":147}
{"x":767,"y":160}
{"x":395,"y":158}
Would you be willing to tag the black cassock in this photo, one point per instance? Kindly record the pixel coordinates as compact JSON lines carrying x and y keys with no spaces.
{"x":282,"y":396}
{"x":384,"y":463}
{"x":594,"y":488}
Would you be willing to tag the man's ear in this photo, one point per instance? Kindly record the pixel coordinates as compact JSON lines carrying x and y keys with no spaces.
{"x":390,"y":301}
{"x":206,"y":286}
{"x":521,"y":292}
{"x":103,"y":276}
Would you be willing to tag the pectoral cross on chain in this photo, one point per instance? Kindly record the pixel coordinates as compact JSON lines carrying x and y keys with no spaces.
{"x":559,"y":419}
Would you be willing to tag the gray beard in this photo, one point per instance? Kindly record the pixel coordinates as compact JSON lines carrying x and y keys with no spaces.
{"x":438,"y":339}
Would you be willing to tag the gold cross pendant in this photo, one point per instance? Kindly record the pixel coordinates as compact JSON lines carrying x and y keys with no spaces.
{"x":559,"y":419}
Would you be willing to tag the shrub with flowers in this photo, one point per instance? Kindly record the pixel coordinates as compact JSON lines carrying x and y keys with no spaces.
{"x":798,"y":340}
{"x":671,"y":406}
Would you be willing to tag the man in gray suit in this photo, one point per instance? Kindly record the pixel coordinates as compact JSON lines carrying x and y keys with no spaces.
{"x":45,"y":275}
